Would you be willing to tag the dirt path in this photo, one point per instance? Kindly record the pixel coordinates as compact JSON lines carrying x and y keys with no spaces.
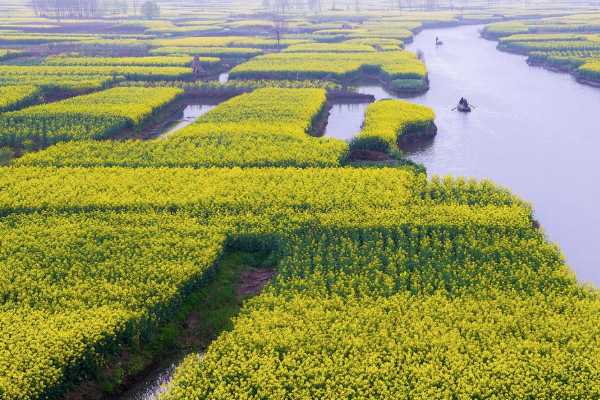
{"x":253,"y":282}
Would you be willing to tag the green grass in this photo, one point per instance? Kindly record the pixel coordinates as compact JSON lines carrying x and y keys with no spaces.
{"x":6,"y":154}
{"x":201,"y":319}
{"x":218,"y":302}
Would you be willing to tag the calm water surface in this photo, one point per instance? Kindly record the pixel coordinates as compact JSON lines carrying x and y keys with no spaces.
{"x":345,"y":119}
{"x":155,"y":383}
{"x":186,"y":117}
{"x":534,"y":131}
{"x":223,"y":78}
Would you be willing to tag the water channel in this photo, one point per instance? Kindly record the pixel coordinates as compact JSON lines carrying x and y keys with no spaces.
{"x":193,"y":110}
{"x":534,"y":131}
{"x":155,"y":383}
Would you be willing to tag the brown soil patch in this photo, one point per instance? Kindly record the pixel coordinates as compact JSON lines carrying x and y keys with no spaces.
{"x":253,"y":282}
{"x":369,"y":155}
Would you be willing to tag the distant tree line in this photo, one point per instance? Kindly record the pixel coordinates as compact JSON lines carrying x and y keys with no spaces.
{"x":288,"y":6}
{"x":78,"y":8}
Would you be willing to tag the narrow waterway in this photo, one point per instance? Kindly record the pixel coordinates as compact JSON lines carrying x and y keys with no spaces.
{"x":345,"y":119}
{"x":155,"y":383}
{"x":534,"y":131}
{"x":189,"y":114}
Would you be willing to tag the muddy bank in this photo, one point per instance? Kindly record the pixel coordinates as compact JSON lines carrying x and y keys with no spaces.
{"x":351,"y":96}
{"x":320,"y":122}
{"x":548,"y":67}
{"x":121,"y":376}
{"x":363,"y":158}
{"x":586,"y":81}
{"x":380,"y":156}
{"x":512,"y":51}
{"x":572,"y":72}
{"x":417,"y":136}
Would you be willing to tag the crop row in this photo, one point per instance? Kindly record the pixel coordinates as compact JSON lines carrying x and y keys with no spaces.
{"x":241,"y":85}
{"x":201,"y":146}
{"x":222,"y":52}
{"x":330,"y":48}
{"x":226,"y":41}
{"x":561,"y":45}
{"x":61,"y":83}
{"x":14,"y":97}
{"x":374,"y":31}
{"x":383,"y":240}
{"x":157,"y":61}
{"x":130,"y":72}
{"x":95,"y":116}
{"x":590,"y":70}
{"x":386,"y":121}
{"x":376,"y":41}
{"x":547,"y":37}
{"x":415,"y":312}
{"x":295,"y":107}
{"x":389,"y":197}
{"x":393,"y":65}
{"x":225,"y":146}
{"x":73,"y":287}
{"x":542,"y":56}
{"x":21,"y":38}
{"x":267,"y":127}
{"x":499,"y":30}
{"x":8,"y":54}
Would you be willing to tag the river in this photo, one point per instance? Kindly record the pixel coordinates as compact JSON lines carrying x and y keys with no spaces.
{"x":534,"y":131}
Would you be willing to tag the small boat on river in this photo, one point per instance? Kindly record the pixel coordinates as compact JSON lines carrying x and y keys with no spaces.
{"x":463,"y":105}
{"x":464,"y":108}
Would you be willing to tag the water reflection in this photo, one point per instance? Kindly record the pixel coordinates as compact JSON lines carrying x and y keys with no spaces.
{"x":186,"y":117}
{"x":373,"y":86}
{"x":155,"y":383}
{"x":345,"y":119}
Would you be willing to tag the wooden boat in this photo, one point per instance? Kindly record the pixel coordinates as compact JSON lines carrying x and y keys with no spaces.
{"x":463,"y":108}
